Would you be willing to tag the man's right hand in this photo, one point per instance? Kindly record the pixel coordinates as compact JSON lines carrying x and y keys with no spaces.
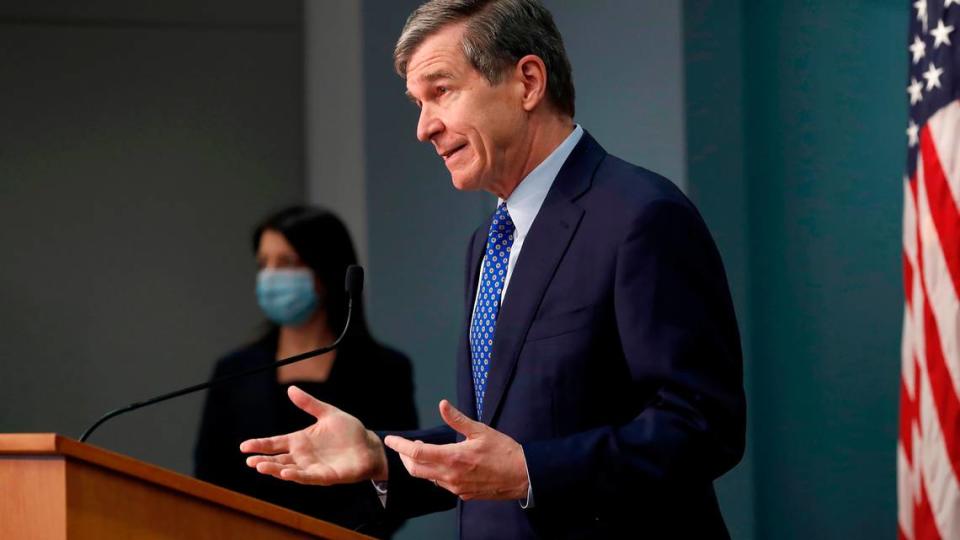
{"x":336,"y":449}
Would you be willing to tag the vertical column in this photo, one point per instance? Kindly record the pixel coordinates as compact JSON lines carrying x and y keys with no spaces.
{"x":333,"y":80}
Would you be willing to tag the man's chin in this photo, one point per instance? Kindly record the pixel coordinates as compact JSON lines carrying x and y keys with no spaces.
{"x":463,"y":184}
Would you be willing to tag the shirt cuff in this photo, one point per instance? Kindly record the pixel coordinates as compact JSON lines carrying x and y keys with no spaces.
{"x":381,"y":488}
{"x":528,"y":504}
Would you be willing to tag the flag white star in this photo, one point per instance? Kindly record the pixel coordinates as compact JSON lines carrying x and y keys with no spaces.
{"x":921,"y":6}
{"x":913,"y":134}
{"x":941,"y":34}
{"x":915,"y":90}
{"x":932,"y":75}
{"x":919,"y":48}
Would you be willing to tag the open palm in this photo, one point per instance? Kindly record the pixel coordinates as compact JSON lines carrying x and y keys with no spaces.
{"x":336,"y":449}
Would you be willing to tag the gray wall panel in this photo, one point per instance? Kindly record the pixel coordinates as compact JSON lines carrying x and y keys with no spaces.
{"x":134,"y":163}
{"x":627,"y":58}
{"x":182,"y":12}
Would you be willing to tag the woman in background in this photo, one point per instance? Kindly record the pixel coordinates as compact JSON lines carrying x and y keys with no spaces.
{"x":303,"y":254}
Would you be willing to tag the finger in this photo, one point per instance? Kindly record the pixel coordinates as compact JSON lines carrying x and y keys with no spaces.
{"x":269,"y":445}
{"x":459,"y":421}
{"x":427,"y":471}
{"x":307,"y":403}
{"x":283,"y":459}
{"x":293,"y":474}
{"x":418,"y":451}
{"x":272,"y":469}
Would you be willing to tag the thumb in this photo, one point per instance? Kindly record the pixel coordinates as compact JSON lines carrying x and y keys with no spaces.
{"x":307,"y":403}
{"x":459,"y":421}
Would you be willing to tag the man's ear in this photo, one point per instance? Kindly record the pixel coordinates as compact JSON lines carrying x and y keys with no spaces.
{"x":532,"y":74}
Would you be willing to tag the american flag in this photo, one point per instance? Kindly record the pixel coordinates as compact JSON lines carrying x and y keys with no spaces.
{"x":928,"y":449}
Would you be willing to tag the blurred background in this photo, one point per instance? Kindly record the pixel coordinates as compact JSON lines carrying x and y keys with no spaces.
{"x":143,"y":140}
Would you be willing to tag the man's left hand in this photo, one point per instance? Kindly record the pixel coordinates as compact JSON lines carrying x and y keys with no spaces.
{"x":487,"y":465}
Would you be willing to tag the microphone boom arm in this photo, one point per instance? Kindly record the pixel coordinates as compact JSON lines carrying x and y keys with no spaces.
{"x":354,"y":283}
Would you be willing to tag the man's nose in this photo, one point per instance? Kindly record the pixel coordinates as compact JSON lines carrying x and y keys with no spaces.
{"x":428,"y":125}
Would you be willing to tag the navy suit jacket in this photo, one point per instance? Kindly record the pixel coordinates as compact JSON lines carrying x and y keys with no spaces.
{"x":616,"y":365}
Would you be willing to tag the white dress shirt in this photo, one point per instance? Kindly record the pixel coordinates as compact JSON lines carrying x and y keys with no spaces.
{"x":527,"y":198}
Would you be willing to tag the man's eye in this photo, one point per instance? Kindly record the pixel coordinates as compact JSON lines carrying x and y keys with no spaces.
{"x":441,"y":90}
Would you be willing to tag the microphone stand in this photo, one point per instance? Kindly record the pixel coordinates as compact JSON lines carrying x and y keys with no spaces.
{"x":354,"y":282}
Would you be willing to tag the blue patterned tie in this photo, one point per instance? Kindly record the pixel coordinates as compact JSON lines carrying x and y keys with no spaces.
{"x":495,"y":260}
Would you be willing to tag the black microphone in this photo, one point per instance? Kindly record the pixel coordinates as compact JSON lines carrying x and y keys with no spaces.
{"x":353,"y":285}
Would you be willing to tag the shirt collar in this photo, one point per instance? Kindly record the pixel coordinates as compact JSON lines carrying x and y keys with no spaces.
{"x":525,"y":201}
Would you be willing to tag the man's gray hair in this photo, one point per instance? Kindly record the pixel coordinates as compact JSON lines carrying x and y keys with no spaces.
{"x":498,"y":34}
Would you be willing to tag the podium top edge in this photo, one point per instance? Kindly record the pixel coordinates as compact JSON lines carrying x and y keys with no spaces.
{"x":18,"y":443}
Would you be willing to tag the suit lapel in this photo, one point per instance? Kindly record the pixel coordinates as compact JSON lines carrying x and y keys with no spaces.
{"x":546,"y":242}
{"x":476,"y":258}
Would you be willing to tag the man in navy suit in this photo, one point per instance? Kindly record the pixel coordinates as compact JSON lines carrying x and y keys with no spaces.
{"x":599,"y":373}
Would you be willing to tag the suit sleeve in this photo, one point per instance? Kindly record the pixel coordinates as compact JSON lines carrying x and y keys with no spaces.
{"x":678,"y":334}
{"x":397,"y":410}
{"x":402,"y":405}
{"x":409,"y":496}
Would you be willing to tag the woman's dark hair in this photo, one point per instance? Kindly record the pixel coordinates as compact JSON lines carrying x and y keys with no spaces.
{"x":323,"y":244}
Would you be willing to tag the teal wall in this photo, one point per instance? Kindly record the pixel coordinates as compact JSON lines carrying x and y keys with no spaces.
{"x":715,"y":173}
{"x":804,"y":195}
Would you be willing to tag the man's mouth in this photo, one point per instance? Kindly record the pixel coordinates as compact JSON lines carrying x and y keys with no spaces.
{"x":447,"y":155}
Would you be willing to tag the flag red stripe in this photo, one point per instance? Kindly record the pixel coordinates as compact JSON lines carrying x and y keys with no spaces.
{"x":916,"y":394}
{"x":944,"y":396}
{"x":917,"y":372}
{"x":943,"y":210}
{"x":909,"y":407}
{"x":907,"y":280}
{"x":924,"y":524}
{"x":906,"y":421}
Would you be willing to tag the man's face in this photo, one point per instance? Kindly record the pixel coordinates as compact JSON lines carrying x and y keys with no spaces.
{"x":476,"y":128}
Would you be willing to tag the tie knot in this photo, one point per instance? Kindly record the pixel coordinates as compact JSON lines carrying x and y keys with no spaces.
{"x":502,"y":222}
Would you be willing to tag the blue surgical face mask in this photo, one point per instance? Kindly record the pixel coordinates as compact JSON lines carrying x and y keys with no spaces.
{"x":286,"y":296}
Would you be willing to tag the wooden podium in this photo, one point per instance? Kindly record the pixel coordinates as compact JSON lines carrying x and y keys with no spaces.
{"x":54,"y":488}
